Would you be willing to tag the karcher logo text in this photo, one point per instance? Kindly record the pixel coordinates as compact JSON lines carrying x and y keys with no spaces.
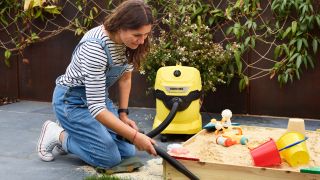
{"x":175,"y":89}
{"x":180,"y":89}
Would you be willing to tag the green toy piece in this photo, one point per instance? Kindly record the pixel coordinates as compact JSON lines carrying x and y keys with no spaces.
{"x":311,"y":170}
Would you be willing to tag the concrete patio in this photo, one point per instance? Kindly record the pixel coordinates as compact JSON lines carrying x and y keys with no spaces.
{"x":20,"y":125}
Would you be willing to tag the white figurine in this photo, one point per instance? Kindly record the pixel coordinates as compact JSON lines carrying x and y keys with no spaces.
{"x":225,"y":122}
{"x":226,"y":118}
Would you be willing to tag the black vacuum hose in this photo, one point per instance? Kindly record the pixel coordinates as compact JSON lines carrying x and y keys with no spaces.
{"x":172,"y":161}
{"x":167,"y":121}
{"x":176,"y":164}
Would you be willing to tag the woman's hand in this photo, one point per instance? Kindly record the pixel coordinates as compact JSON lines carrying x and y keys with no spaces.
{"x":127,"y":120}
{"x":144,"y":143}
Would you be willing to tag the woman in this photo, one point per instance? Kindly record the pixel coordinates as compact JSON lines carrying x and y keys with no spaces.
{"x":89,"y":121}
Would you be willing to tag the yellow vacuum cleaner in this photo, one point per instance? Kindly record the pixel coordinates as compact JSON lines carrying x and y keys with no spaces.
{"x":177,"y":92}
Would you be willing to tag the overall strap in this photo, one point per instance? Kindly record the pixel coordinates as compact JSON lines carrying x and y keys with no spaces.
{"x":103,"y":45}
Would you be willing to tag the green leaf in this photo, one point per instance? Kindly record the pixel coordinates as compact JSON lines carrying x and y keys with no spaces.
{"x":78,"y":31}
{"x":91,"y":14}
{"x":311,"y":8}
{"x":304,"y":9}
{"x":199,"y":20}
{"x":95,"y":10}
{"x":305,"y":61}
{"x":292,"y":41}
{"x":280,"y":79}
{"x":254,"y":25}
{"x":34,"y":36}
{"x":303,"y":27}
{"x":80,"y":7}
{"x":249,"y":23}
{"x":196,"y":13}
{"x":299,"y":44}
{"x":315,"y":45}
{"x":237,"y":57}
{"x":310,"y":60}
{"x":3,"y":20}
{"x":299,"y":33}
{"x":237,"y":30}
{"x":246,"y":80}
{"x":7,"y":54}
{"x":294,"y":27}
{"x":297,"y":73}
{"x":286,"y":49}
{"x":277,"y":52}
{"x":229,"y":30}
{"x":242,"y":85}
{"x":318,"y":20}
{"x":52,"y":9}
{"x":247,"y":41}
{"x":253,"y":42}
{"x":38,"y":14}
{"x":293,"y":57}
{"x":211,"y":20}
{"x":229,"y":13}
{"x":286,"y":76}
{"x":7,"y":62}
{"x":216,"y":11}
{"x":299,"y":61}
{"x":305,"y":42}
{"x":286,"y":32}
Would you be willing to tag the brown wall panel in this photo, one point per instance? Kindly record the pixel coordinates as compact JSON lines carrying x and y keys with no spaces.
{"x":298,"y":99}
{"x":226,"y":97}
{"x":8,"y":77}
{"x":138,"y":96}
{"x":47,"y":60}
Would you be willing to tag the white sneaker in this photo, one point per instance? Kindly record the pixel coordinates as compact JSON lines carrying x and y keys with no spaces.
{"x":48,"y":139}
{"x":59,"y":150}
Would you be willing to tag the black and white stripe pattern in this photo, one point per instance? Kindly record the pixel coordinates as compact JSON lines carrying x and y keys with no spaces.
{"x":88,"y":66}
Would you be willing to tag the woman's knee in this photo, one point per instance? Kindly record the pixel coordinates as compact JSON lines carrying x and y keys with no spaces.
{"x":100,"y":151}
{"x":107,"y":161}
{"x":129,"y":151}
{"x":105,"y":154}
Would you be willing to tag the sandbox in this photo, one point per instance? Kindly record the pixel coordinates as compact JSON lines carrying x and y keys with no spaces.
{"x":209,"y":160}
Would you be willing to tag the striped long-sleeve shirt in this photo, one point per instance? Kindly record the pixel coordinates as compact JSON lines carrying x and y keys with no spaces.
{"x":88,"y":65}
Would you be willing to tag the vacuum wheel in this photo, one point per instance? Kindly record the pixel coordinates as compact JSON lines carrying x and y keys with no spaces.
{"x":163,"y":138}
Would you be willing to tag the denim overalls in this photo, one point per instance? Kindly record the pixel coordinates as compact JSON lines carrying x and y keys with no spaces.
{"x":85,"y":136}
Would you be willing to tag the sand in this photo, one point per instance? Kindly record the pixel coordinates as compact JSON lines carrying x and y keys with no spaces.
{"x":153,"y":170}
{"x":204,"y":147}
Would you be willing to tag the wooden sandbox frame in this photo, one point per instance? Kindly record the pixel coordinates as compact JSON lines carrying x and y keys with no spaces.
{"x":221,"y":171}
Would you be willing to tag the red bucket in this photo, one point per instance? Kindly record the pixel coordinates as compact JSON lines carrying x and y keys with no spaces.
{"x":266,"y":154}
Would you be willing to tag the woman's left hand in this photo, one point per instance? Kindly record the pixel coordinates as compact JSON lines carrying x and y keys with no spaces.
{"x":128,"y":121}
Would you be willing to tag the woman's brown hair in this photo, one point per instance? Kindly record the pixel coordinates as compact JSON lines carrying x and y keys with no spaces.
{"x":131,"y":14}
